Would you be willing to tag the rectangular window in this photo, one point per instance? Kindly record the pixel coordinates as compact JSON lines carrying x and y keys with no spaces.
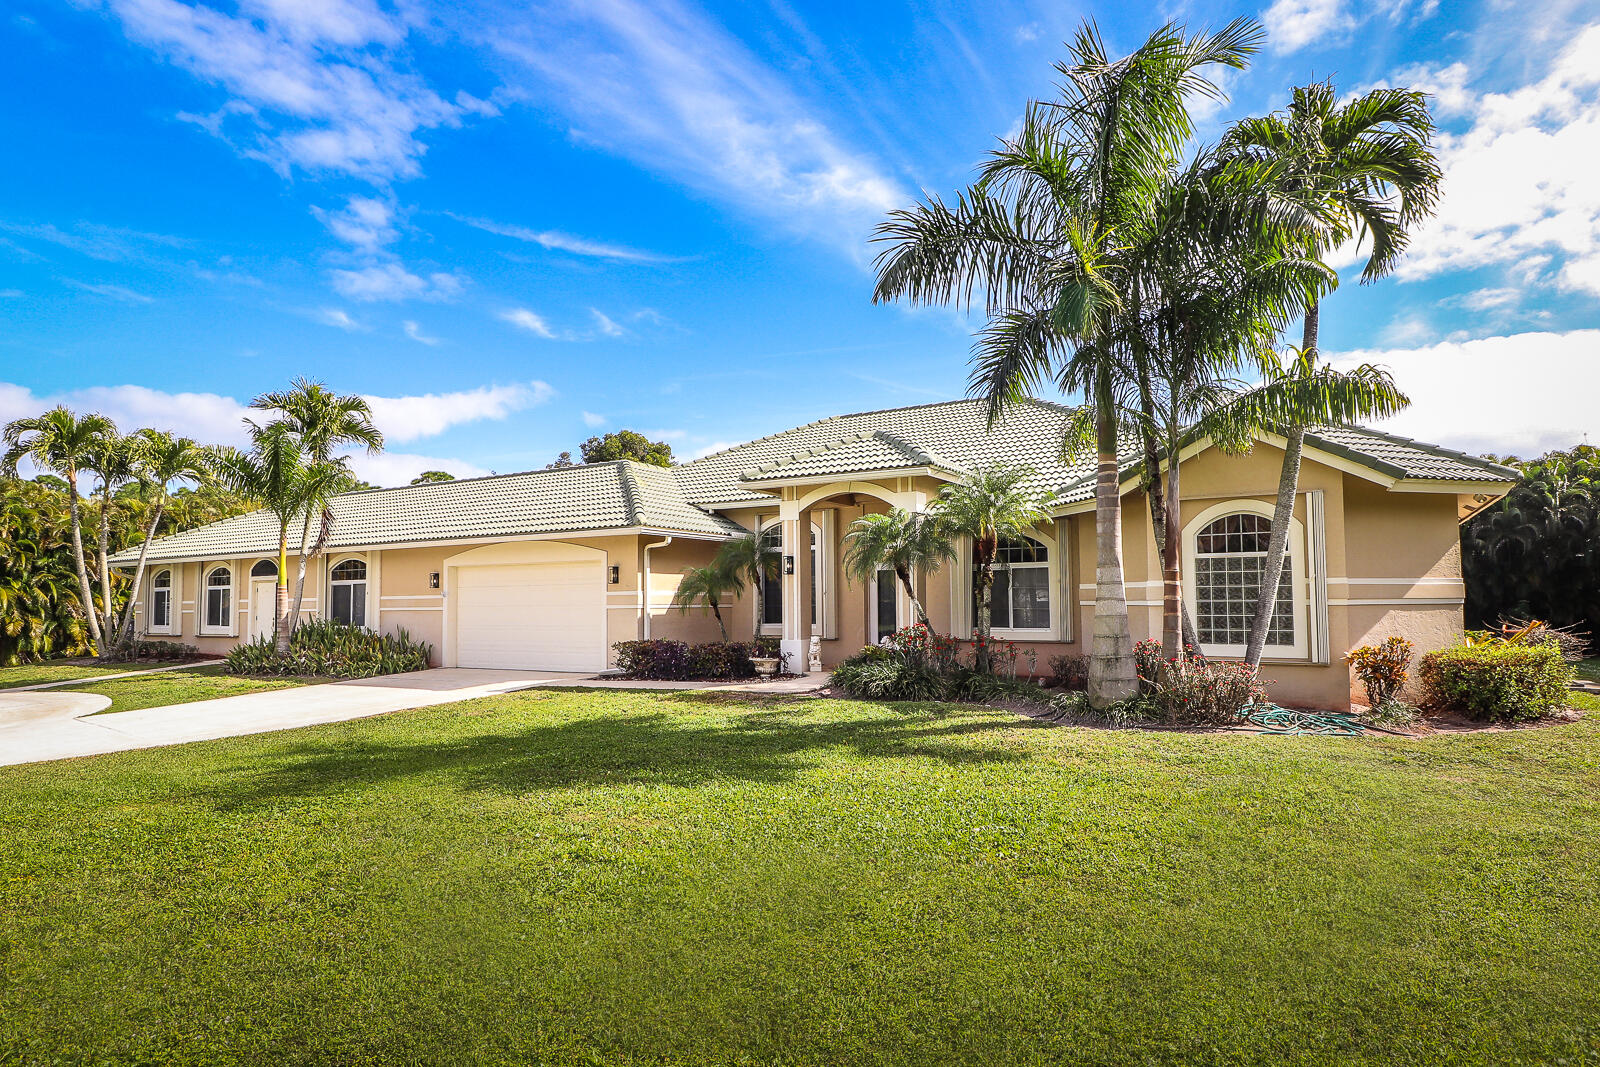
{"x":160,"y":609}
{"x":350,"y":603}
{"x":1226,"y":589}
{"x":885,"y":605}
{"x":217,"y":606}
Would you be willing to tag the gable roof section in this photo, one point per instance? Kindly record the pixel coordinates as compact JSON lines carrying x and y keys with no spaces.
{"x":868,"y":450}
{"x":593,"y":497}
{"x":954,"y":433}
{"x":1402,"y":457}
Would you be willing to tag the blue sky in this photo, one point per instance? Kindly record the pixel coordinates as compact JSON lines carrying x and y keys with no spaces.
{"x":515,"y":225}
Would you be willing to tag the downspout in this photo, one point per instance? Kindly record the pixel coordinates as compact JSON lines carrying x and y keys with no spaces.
{"x":644,"y":599}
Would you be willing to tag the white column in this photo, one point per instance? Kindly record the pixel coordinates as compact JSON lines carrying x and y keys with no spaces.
{"x":796,"y":575}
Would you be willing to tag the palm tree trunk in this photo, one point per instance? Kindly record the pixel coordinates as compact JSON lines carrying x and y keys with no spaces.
{"x":108,"y":624}
{"x":717,"y":612}
{"x":77,"y":557}
{"x":1172,"y":608}
{"x":1112,"y":674}
{"x":300,"y":578}
{"x":125,"y":629}
{"x":280,"y":592}
{"x":911,"y":594}
{"x":981,"y":660}
{"x":1282,"y":511}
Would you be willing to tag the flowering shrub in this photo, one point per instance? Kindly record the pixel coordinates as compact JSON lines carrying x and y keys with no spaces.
{"x":1504,"y":682}
{"x":1147,"y":661}
{"x":1193,"y":691}
{"x":1070,"y":672}
{"x":1381,"y":669}
{"x":1002,"y":654}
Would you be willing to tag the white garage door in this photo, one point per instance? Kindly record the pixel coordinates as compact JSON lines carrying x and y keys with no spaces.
{"x":534,"y":616}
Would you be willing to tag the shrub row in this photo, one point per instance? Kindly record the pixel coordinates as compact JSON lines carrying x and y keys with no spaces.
{"x":677,"y":661}
{"x":888,"y":674}
{"x":1498,"y":682}
{"x":328,"y":649}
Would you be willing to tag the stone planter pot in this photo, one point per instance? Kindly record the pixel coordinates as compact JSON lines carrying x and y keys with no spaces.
{"x":766,"y":666}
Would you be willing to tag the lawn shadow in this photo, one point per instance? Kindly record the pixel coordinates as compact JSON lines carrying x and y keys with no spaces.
{"x":651,"y":748}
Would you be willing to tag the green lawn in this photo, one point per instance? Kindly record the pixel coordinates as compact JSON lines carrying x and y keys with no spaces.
{"x":179,"y":687}
{"x":590,"y":878}
{"x":40,"y":673}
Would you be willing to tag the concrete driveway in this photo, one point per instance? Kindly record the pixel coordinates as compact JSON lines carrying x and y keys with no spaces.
{"x":45,"y":726}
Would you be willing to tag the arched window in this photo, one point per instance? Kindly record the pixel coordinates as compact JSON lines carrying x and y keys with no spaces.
{"x":219,"y":598}
{"x":160,"y":601}
{"x":1020,"y":597}
{"x":265,"y":569}
{"x":347,"y":587}
{"x":1230,"y":555}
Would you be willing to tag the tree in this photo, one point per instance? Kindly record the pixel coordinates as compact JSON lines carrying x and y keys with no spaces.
{"x":989,"y":506}
{"x":563,"y":460}
{"x":40,"y":613}
{"x":708,"y":585}
{"x":1044,"y":233}
{"x":1295,"y":396}
{"x":159,"y":459}
{"x":899,"y":540}
{"x":62,"y":443}
{"x":1365,"y":169}
{"x":112,"y":461}
{"x":752,"y":559}
{"x":321,"y":420}
{"x":273,"y":473}
{"x":433,"y":476}
{"x":626,"y":444}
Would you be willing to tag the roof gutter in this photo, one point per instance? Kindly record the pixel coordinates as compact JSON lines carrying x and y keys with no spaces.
{"x":644,"y":599}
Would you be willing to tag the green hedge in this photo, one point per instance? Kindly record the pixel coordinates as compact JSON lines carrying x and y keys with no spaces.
{"x":1503,"y":683}
{"x":327,"y":649}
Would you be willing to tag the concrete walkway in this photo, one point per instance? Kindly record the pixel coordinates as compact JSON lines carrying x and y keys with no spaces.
{"x":48,"y":726}
{"x":90,"y":679}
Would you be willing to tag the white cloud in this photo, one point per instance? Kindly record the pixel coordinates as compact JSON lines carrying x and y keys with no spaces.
{"x":667,"y":87}
{"x":313,"y":84}
{"x":1521,"y":394}
{"x":398,"y":468}
{"x":1488,"y":299}
{"x":407,"y":418}
{"x":392,"y":281}
{"x":111,"y":244}
{"x":1293,"y":24}
{"x":1519,"y":181}
{"x":113,"y":292}
{"x":530,"y":321}
{"x":591,"y":420}
{"x":715,"y":446}
{"x":366,"y":223}
{"x":414,"y":332}
{"x":566,"y":242}
{"x":606,"y":325}
{"x":338,"y":317}
{"x":1406,"y":330}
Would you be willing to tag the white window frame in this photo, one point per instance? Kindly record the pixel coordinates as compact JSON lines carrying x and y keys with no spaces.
{"x":1300,"y":649}
{"x":901,"y":608}
{"x":1051,"y":567}
{"x":820,"y":569}
{"x":172,"y":607}
{"x":206,"y":628}
{"x":365,"y":580}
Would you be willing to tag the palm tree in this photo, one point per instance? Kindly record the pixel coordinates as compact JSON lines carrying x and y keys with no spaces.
{"x":112,"y":461}
{"x":322,"y":420}
{"x":989,"y":506}
{"x":159,"y":459}
{"x":750,"y":559}
{"x":1295,"y":396}
{"x":1365,"y":169}
{"x":708,"y":584}
{"x":902,"y":541}
{"x":63,"y":443}
{"x":272,"y":473}
{"x":1045,"y":234}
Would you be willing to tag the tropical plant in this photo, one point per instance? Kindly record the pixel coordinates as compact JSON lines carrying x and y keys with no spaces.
{"x":1381,"y":669}
{"x":1045,"y":234}
{"x":708,"y":585}
{"x":111,"y":461}
{"x":159,"y":459}
{"x":1293,"y":397}
{"x":988,"y":506}
{"x":1509,"y":683}
{"x":273,"y":473}
{"x":326,"y":648}
{"x":433,"y":476}
{"x":751,"y":558}
{"x":905,"y":542}
{"x":64,"y":444}
{"x":322,"y":420}
{"x":40,"y":611}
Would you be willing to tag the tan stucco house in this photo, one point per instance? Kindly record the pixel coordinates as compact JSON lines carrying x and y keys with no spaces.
{"x":547,"y":569}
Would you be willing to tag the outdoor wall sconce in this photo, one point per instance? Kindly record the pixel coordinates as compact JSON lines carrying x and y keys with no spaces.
{"x":616,"y":574}
{"x":433,"y":579}
{"x":788,"y":564}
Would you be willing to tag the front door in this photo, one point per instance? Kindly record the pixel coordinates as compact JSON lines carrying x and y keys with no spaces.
{"x":262,"y":594}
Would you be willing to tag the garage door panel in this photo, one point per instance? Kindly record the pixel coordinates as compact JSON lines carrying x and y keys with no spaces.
{"x":544,"y":616}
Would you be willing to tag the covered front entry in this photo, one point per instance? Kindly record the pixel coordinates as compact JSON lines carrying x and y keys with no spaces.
{"x":508,"y":608}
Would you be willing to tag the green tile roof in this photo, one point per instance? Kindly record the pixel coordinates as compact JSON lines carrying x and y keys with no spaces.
{"x":592,"y":497}
{"x":954,"y":436}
